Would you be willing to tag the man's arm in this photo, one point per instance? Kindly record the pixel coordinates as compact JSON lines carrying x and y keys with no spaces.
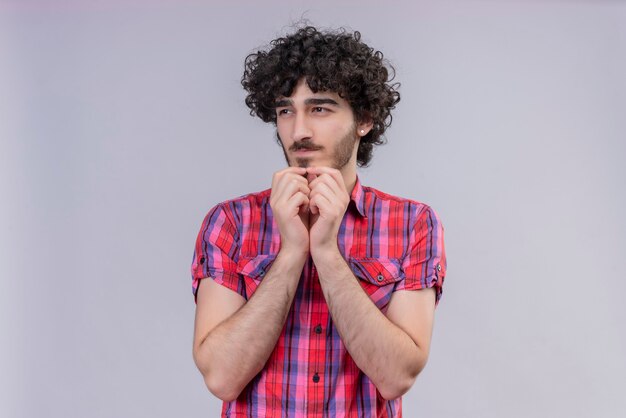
{"x":234,"y":339}
{"x":391,"y":350}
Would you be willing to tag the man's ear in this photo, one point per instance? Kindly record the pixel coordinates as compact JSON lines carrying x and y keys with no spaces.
{"x":364,"y":126}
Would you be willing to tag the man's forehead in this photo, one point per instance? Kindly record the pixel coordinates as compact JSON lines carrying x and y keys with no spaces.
{"x":302,"y":88}
{"x":309,"y":95}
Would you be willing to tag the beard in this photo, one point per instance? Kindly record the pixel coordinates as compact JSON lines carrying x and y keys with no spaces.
{"x":340,"y":157}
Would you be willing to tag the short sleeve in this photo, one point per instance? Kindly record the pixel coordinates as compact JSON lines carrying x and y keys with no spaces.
{"x":424,"y":264}
{"x":216,"y":252}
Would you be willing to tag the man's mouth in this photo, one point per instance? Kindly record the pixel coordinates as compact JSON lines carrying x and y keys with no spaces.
{"x":304,"y":147}
{"x":305,"y":150}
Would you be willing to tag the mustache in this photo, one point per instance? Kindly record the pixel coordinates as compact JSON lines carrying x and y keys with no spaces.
{"x":304,"y":144}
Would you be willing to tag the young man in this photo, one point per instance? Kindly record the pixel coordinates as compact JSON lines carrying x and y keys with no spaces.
{"x":316,"y":298}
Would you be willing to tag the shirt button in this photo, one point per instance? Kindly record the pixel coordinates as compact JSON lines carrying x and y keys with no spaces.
{"x":202,"y":260}
{"x":318,"y":329}
{"x":380,"y":277}
{"x":316,"y":378}
{"x":438,"y":267}
{"x":262,"y":273}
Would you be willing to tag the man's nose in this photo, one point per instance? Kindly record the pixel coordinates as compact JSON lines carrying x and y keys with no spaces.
{"x":301,"y":127}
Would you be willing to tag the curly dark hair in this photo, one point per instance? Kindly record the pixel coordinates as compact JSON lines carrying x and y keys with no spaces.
{"x":336,"y":61}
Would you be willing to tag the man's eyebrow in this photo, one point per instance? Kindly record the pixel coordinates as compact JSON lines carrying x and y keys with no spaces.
{"x":320,"y":101}
{"x":283,"y":103}
{"x":308,"y":102}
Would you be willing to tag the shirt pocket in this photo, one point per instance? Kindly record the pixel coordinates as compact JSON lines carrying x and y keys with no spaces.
{"x":253,"y":269}
{"x":378,"y":277}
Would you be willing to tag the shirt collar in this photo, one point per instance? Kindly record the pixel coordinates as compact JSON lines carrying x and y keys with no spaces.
{"x":358,"y":197}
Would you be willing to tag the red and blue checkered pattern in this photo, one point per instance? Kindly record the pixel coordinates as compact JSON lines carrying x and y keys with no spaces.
{"x":390,"y":243}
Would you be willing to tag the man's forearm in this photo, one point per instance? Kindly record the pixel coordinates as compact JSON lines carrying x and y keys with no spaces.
{"x":238,"y":348}
{"x":383,"y":351}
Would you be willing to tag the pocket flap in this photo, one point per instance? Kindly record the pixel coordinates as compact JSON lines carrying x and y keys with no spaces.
{"x":378,"y":271}
{"x":255,"y":267}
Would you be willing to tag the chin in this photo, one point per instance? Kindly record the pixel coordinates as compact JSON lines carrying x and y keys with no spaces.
{"x":301,"y":162}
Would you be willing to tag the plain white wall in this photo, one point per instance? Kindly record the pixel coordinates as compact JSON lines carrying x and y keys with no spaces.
{"x":122,"y":123}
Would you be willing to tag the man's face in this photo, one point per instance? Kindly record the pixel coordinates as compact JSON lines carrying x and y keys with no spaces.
{"x":316,"y":129}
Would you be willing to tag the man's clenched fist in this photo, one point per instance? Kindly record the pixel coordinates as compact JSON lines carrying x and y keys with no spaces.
{"x":290,"y":202}
{"x":309,"y":205}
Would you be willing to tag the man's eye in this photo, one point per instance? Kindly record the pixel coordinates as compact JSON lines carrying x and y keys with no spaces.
{"x":283,"y":111}
{"x":319,"y":109}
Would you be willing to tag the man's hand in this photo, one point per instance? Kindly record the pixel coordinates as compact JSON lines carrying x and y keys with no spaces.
{"x":328,"y":202}
{"x":290,"y":204}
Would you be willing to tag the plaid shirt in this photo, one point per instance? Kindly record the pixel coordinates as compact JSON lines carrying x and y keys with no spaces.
{"x":389,"y":243}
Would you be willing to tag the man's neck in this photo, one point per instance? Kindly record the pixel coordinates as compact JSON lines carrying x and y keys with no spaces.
{"x":349,"y":178}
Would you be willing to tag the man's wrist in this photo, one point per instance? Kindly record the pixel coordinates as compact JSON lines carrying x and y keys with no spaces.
{"x":293,"y":255}
{"x":327,"y":256}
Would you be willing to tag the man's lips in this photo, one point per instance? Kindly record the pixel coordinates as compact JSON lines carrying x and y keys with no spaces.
{"x":306,"y":150}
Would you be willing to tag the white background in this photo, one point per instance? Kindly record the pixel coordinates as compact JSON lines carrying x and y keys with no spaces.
{"x":122,"y":123}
